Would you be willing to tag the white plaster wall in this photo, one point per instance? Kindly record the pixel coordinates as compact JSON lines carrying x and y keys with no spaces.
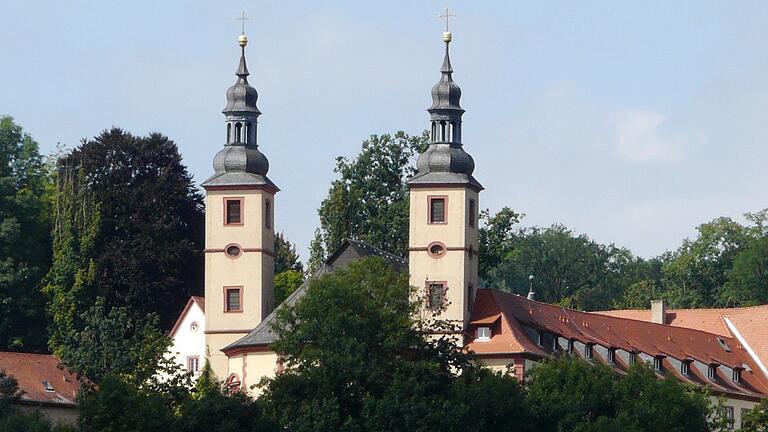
{"x":187,"y":342}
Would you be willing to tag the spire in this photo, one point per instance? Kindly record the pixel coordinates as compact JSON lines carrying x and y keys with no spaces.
{"x":240,"y":162}
{"x":242,"y":69}
{"x":445,"y":161}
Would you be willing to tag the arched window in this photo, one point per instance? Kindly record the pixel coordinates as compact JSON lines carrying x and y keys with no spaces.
{"x":229,"y":133}
{"x":246,"y":131}
{"x":238,"y":132}
{"x":434,"y":131}
{"x":442,"y":131}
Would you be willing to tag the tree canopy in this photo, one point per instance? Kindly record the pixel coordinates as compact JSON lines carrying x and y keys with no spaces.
{"x":25,"y":248}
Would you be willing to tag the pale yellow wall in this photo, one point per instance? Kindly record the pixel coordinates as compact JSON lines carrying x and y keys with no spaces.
{"x":252,"y":367}
{"x":56,"y":415}
{"x":253,"y":270}
{"x":456,"y":267}
{"x":737,"y":405}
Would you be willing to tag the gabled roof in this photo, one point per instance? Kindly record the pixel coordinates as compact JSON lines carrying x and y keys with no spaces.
{"x":199,"y":301}
{"x":42,"y":378}
{"x":522,"y":319}
{"x":350,"y":250}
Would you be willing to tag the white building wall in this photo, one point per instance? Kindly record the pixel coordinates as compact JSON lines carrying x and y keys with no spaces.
{"x":188,"y":341}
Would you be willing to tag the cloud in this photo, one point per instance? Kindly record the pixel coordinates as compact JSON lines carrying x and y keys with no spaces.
{"x":641,"y":137}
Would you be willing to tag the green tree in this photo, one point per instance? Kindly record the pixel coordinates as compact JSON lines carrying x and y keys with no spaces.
{"x":756,"y":420}
{"x":112,"y":341}
{"x":570,"y":394}
{"x":289,"y":271}
{"x":696,"y":272}
{"x":147,"y":249}
{"x":24,"y":239}
{"x":496,"y":238}
{"x":356,"y":362}
{"x":369,"y":200}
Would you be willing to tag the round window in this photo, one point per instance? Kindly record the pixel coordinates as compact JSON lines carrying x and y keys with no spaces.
{"x":233,"y":251}
{"x":194,"y":326}
{"x":436,"y":250}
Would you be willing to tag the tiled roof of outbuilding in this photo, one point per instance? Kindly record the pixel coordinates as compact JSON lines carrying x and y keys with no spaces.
{"x":41,"y":378}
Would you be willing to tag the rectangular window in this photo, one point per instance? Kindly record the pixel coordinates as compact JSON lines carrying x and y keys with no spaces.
{"x":632,"y":358}
{"x":712,"y":372}
{"x":657,"y":363}
{"x":436,"y":296}
{"x":437,"y":210}
{"x":729,"y":416}
{"x":193,"y":364}
{"x":736,"y":375}
{"x":268,"y":214}
{"x":483,"y":333}
{"x":685,"y":367}
{"x":233,"y":211}
{"x":472,"y":211}
{"x":233,"y":301}
{"x":611,"y":356}
{"x":588,"y":351}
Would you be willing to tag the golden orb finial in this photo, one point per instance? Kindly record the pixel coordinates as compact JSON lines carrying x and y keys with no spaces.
{"x":447,"y":37}
{"x":242,"y":40}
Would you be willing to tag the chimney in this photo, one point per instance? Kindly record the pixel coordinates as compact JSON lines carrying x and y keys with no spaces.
{"x":658,"y":311}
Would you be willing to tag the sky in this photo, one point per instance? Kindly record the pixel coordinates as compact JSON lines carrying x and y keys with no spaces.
{"x":631,"y":122}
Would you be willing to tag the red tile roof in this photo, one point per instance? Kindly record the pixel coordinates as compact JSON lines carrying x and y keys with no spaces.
{"x":33,"y":371}
{"x":750,"y":322}
{"x":519,"y":313}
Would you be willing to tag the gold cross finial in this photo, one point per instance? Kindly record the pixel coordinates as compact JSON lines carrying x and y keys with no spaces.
{"x":447,"y":15}
{"x":242,"y":18}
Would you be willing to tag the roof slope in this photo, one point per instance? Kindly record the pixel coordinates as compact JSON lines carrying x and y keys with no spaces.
{"x":349,"y":251}
{"x":33,"y":371}
{"x":523,"y":318}
{"x":199,"y":301}
{"x":751,"y":323}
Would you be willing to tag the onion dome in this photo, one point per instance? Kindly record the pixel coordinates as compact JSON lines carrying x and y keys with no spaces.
{"x":445,"y":161}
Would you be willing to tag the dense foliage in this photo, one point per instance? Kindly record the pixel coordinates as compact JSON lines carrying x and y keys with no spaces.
{"x":127,"y":247}
{"x":355,"y":361}
{"x":25,"y":250}
{"x":289,"y":271}
{"x":369,"y":200}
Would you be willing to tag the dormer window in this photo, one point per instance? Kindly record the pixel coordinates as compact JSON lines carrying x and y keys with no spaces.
{"x":540,"y":338}
{"x":736,"y":375}
{"x":483,"y":333}
{"x":570,"y":346}
{"x":588,"y":352}
{"x":712,"y":371}
{"x":685,"y":367}
{"x":611,"y":356}
{"x":632,"y":358}
{"x":657,"y":363}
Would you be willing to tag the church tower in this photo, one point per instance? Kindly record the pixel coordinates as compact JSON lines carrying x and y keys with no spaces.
{"x":239,"y":227}
{"x":443,"y":235}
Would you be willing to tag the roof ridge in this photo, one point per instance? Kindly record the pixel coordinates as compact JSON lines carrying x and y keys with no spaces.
{"x":28,"y":354}
{"x":684,"y":309}
{"x":644,"y":322}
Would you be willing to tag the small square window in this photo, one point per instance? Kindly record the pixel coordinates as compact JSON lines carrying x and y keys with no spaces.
{"x":483,"y":333}
{"x":233,"y":299}
{"x":436,"y":210}
{"x":233,"y":211}
{"x":472,"y":212}
{"x":268,"y":214}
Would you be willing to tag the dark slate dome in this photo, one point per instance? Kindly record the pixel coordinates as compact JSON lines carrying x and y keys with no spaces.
{"x":232,"y":159}
{"x":444,"y":157}
{"x":446,"y":94}
{"x":241,"y":97}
